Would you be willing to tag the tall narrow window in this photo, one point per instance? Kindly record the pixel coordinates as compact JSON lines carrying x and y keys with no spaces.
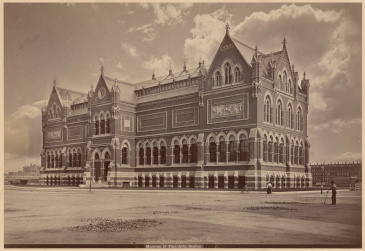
{"x":212,"y":150}
{"x":227,"y":73}
{"x":232,"y":148}
{"x":148,"y":154}
{"x":290,"y":89}
{"x":299,"y":119}
{"x":218,"y":79}
{"x":74,"y":159}
{"x":70,"y":159}
{"x":102,"y":124}
{"x":222,"y":149}
{"x":141,"y":155}
{"x":155,"y":154}
{"x":290,"y":121}
{"x":243,"y":148}
{"x":279,"y":113}
{"x":96,"y":125}
{"x":163,"y":153}
{"x":270,"y":151}
{"x":285,"y":81}
{"x":237,"y":75}
{"x":60,"y":159}
{"x":108,"y":123}
{"x":193,"y":151}
{"x":265,"y":149}
{"x":176,"y":152}
{"x":185,"y":152}
{"x":280,"y":82}
{"x":52,"y":160}
{"x":268,"y":110}
{"x":124,"y":154}
{"x":79,"y":158}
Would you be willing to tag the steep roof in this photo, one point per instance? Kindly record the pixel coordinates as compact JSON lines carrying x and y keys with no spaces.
{"x":126,"y":89}
{"x":67,"y":97}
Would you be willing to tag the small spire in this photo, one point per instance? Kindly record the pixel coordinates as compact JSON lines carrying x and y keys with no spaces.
{"x":54,"y":82}
{"x":170,"y":71}
{"x":227,"y":29}
{"x":284,"y":43}
{"x":200,"y":62}
{"x":184,"y":66}
{"x":153,"y":75}
{"x":304,"y":76}
{"x":102,"y":70}
{"x":256,"y":50}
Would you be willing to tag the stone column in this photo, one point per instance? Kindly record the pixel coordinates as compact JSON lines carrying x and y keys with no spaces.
{"x":159,"y":156}
{"x":144,"y":156}
{"x":179,"y":180}
{"x":217,"y":153}
{"x":187,"y":180}
{"x":227,"y":152}
{"x":238,"y":152}
{"x":207,"y":153}
{"x":102,"y":168}
{"x":143,"y":180}
{"x":181,"y":154}
{"x":225,"y":180}
{"x":189,"y":154}
{"x":172,"y":154}
{"x":236,"y":179}
{"x":92,"y":169}
{"x":157,"y":179}
{"x":215,"y":180}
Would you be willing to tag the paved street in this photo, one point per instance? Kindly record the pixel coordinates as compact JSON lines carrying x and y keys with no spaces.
{"x":46,"y":215}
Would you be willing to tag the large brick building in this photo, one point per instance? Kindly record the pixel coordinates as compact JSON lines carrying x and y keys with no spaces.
{"x":240,"y":122}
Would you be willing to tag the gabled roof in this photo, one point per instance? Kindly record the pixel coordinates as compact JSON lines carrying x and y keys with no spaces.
{"x":78,"y":112}
{"x":126,"y":89}
{"x":67,"y":97}
{"x":246,"y":51}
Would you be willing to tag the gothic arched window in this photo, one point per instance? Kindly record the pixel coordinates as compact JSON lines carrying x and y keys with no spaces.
{"x":237,"y":75}
{"x":267,"y":110}
{"x":194,"y":151}
{"x":227,"y":73}
{"x":218,"y":79}
{"x":279,"y":113}
{"x":232,"y":148}
{"x":163,"y":153}
{"x":222,"y":149}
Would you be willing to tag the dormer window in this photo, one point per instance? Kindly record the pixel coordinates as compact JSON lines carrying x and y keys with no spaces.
{"x":227,"y":73}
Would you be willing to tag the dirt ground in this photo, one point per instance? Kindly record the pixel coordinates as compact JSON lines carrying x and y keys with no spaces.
{"x":47,"y":215}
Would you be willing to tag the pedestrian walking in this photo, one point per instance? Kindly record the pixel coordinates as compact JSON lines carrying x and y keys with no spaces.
{"x":269,"y":188}
{"x":334,"y":192}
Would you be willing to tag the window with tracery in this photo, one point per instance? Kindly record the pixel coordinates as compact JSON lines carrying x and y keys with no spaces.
{"x":227,"y":73}
{"x":237,"y":75}
{"x":268,"y":110}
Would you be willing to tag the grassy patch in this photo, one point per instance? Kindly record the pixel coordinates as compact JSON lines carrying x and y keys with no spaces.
{"x":100,"y":224}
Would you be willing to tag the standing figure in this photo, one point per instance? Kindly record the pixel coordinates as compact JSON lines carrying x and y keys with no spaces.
{"x":269,"y":188}
{"x":334,"y":192}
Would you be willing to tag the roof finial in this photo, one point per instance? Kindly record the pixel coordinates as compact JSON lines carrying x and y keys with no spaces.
{"x":292,"y":67}
{"x":284,"y":43}
{"x":54,"y":82}
{"x":153,"y":75}
{"x":184,"y":65}
{"x":170,"y":71}
{"x":102,"y":70}
{"x":200,"y":61}
{"x":256,"y":50}
{"x":227,"y":29}
{"x":304,"y":76}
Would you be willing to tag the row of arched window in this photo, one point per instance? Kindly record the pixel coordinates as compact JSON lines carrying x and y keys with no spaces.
{"x":285,"y":84}
{"x":231,"y":150}
{"x":102,"y":124}
{"x":277,"y":152}
{"x":54,"y":159}
{"x":219,"y":79}
{"x":268,"y":114}
{"x":54,"y":112}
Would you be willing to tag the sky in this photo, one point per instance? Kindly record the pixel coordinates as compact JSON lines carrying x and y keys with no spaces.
{"x":70,"y":42}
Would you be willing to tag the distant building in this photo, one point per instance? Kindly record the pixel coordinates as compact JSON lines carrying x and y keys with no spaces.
{"x":240,"y":122}
{"x":30,"y":174}
{"x":342,"y":173}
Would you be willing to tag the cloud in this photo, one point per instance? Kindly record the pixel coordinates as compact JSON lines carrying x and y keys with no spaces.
{"x":206,"y":35}
{"x":336,"y":126}
{"x":348,"y":157}
{"x":22,"y":132}
{"x":130,"y":49}
{"x":160,"y":66}
{"x":168,"y":13}
{"x":119,"y":66}
{"x":148,"y":30}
